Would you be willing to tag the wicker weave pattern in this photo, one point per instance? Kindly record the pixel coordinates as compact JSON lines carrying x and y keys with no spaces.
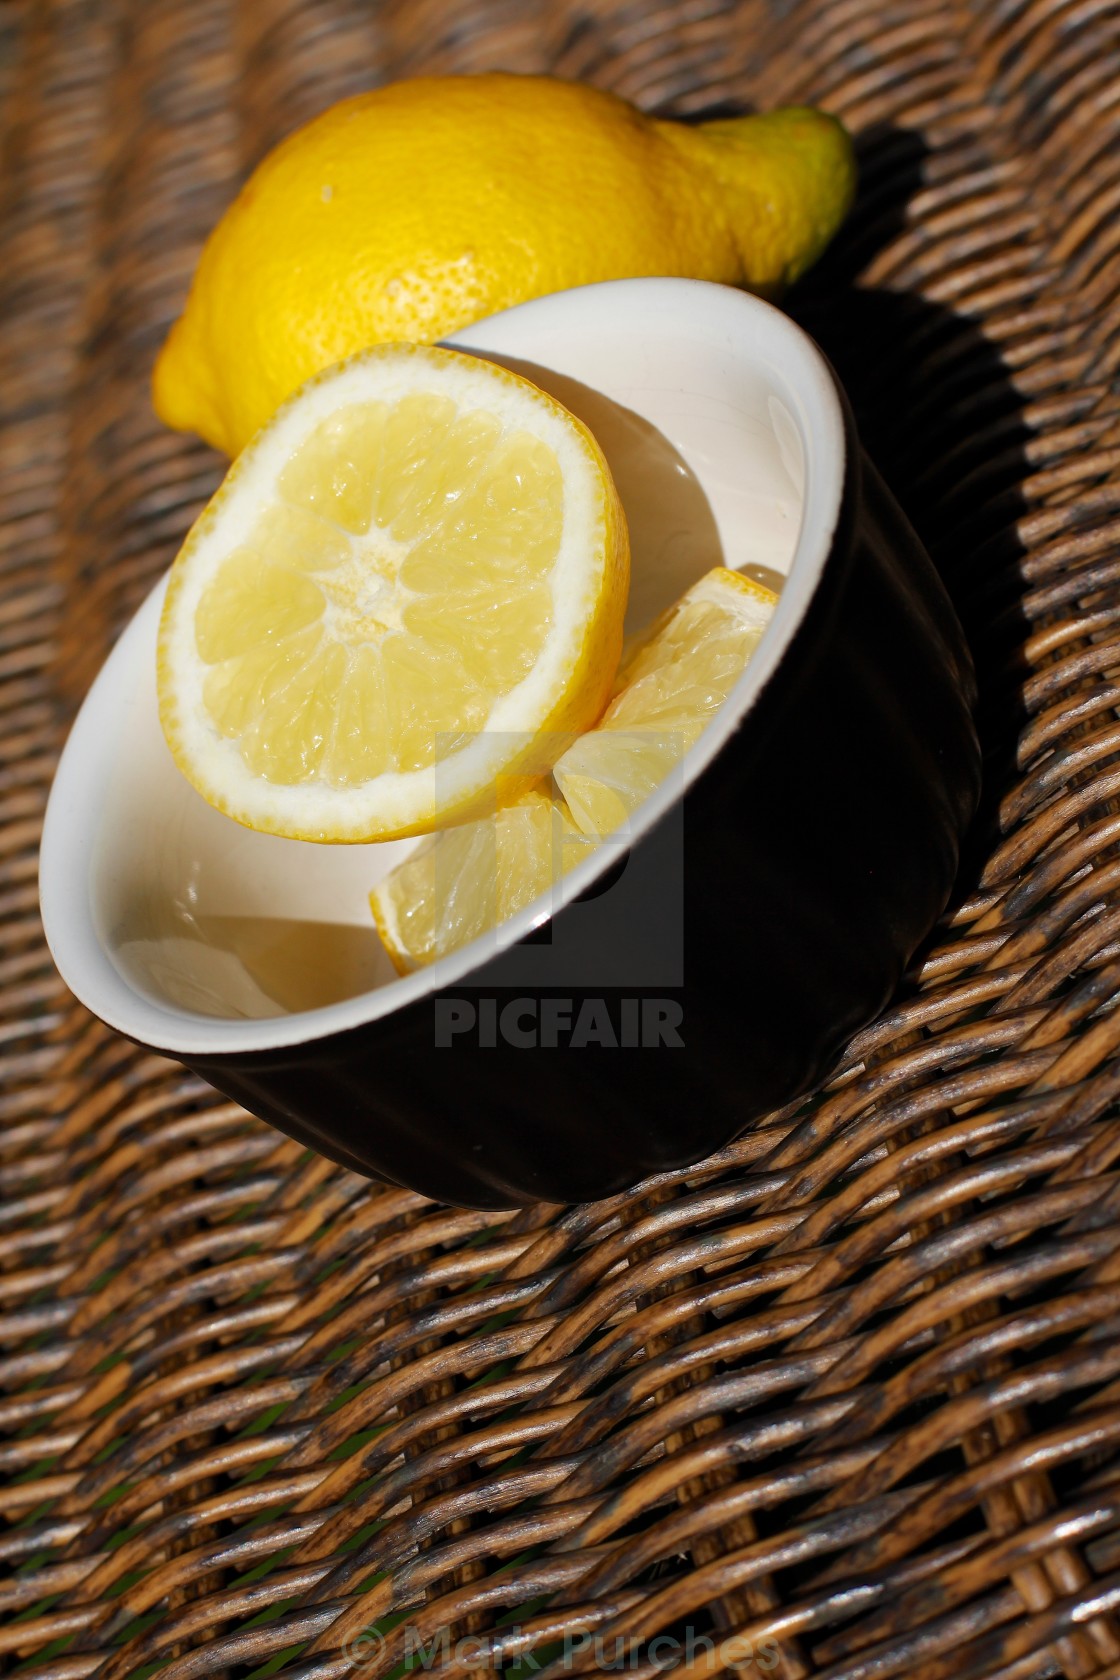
{"x":854,"y":1384}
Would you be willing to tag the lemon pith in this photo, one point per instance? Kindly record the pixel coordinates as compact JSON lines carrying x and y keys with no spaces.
{"x":410,"y":211}
{"x":466,"y":881}
{"x":418,"y":570}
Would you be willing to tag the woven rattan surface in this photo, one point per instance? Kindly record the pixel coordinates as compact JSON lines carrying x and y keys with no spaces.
{"x":850,"y":1390}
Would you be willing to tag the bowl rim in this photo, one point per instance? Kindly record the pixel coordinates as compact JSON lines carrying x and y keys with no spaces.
{"x":747,"y":327}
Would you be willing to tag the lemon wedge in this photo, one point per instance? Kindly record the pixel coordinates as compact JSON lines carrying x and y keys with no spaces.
{"x":413,"y":575}
{"x":465,"y":881}
{"x":670,"y":685}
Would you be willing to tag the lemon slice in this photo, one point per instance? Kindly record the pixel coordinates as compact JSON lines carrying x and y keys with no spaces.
{"x":670,"y":685}
{"x":413,"y":573}
{"x":462,"y":883}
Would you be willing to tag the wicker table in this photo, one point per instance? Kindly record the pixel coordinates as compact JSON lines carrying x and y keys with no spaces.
{"x":850,"y":1391}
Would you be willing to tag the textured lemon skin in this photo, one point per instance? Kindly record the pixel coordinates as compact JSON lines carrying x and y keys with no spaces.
{"x":406,"y":213}
{"x":580,"y":701}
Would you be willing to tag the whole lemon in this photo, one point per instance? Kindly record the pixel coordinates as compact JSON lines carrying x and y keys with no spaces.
{"x":407,"y":212}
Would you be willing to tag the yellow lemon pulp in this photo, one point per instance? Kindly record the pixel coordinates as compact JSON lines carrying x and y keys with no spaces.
{"x":407,"y":212}
{"x":418,"y":569}
{"x":465,"y":881}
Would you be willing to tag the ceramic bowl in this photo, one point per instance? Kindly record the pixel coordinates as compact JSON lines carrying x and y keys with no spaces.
{"x":683,"y":982}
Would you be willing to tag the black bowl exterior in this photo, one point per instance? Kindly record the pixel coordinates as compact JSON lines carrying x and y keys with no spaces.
{"x":818,"y":849}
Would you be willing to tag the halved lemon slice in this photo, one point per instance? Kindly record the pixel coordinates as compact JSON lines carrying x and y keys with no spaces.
{"x":670,"y":685}
{"x":415,"y":571}
{"x":465,"y":881}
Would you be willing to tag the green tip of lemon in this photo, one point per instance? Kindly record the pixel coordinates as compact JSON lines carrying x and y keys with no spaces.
{"x":790,"y":176}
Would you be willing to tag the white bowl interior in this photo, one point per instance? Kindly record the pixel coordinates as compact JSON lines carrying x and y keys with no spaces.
{"x":723,"y":432}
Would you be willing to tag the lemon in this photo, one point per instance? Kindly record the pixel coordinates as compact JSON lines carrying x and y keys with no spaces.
{"x":410,"y":211}
{"x":670,"y":685}
{"x":465,"y":881}
{"x":416,"y":573}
